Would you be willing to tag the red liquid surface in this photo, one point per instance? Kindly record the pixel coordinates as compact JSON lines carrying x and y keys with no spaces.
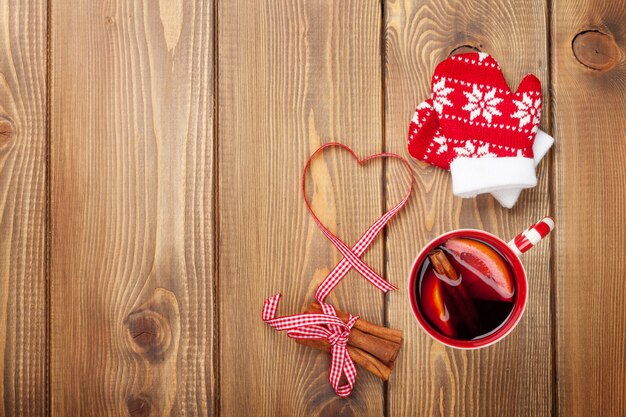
{"x":466,"y":310}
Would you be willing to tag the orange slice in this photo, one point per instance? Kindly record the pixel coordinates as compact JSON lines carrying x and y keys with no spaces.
{"x":486,"y":274}
{"x":435,"y":304}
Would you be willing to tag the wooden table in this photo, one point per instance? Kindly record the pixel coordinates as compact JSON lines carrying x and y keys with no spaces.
{"x":150,"y":159}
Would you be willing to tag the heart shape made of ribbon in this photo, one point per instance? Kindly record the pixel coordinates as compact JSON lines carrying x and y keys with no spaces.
{"x":351,"y":256}
{"x":328,"y":325}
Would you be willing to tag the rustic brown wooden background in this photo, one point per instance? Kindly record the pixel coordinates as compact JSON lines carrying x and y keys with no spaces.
{"x":150,"y":157}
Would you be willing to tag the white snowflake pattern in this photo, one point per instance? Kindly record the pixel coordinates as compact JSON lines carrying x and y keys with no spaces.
{"x":482,"y":56}
{"x":416,"y":116}
{"x":482,"y":104}
{"x":472,"y":151}
{"x":440,"y":93}
{"x":443,"y":144}
{"x":528,"y":110}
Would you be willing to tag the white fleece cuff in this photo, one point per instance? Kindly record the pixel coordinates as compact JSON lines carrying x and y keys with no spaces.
{"x":541,"y":146}
{"x":473,"y":176}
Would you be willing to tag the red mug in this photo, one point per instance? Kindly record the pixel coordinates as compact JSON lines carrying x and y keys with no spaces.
{"x":510,"y":251}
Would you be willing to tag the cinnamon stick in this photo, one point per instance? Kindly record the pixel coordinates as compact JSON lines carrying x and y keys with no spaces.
{"x":383,"y":349}
{"x":442,"y":265}
{"x":365,"y":326}
{"x":360,"y":357}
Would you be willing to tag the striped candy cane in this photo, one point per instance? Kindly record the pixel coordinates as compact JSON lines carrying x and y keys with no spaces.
{"x":531,"y":236}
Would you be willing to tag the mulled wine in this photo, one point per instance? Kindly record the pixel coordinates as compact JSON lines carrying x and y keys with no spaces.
{"x":466,"y":289}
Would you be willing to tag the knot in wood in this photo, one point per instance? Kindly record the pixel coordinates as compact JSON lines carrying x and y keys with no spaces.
{"x":153,"y":328}
{"x":144,"y":330}
{"x":150,"y":333}
{"x":7,"y":131}
{"x":138,"y":407}
{"x":595,"y":50}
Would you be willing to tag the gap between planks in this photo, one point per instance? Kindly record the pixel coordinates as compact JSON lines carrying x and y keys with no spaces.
{"x":216,"y":216}
{"x":383,"y":179}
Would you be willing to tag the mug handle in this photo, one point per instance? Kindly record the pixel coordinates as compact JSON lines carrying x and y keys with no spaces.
{"x":531,"y":236}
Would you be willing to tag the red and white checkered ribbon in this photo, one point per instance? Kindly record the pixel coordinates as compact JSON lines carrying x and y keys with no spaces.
{"x":351,"y":256}
{"x":327,"y":325}
{"x":320,"y":326}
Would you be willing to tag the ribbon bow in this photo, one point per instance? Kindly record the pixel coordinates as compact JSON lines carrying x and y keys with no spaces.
{"x":320,"y":326}
{"x":327,"y":325}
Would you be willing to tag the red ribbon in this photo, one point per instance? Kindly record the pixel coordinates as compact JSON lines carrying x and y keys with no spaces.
{"x":327,"y":325}
{"x":320,"y":326}
{"x":352,"y":256}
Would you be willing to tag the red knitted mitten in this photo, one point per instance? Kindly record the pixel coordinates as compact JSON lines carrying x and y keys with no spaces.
{"x":479,"y":128}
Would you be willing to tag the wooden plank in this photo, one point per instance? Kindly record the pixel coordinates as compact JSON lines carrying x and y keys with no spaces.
{"x":132,"y":208}
{"x":589,"y":75}
{"x":23,"y":208}
{"x":293,"y":75}
{"x":514,"y":376}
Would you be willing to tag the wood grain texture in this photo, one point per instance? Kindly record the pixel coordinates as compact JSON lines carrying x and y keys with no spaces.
{"x":292,"y":76}
{"x":23,"y":208}
{"x":513,"y":377}
{"x":589,"y":83}
{"x":132,"y":208}
{"x":114,"y":194}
